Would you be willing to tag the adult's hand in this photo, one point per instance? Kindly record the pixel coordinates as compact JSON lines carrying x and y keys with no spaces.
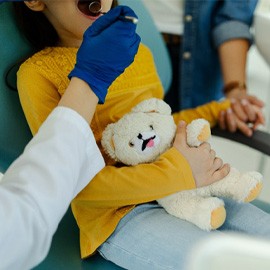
{"x":108,"y":47}
{"x":231,"y":121}
{"x":246,"y":107}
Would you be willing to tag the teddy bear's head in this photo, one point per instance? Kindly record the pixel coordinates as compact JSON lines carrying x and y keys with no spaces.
{"x":141,"y":135}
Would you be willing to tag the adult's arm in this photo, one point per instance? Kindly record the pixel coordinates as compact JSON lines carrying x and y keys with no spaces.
{"x":232,"y":37}
{"x":232,"y":20}
{"x":38,"y":187}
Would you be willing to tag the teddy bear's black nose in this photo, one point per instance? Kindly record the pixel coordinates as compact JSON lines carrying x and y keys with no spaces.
{"x":140,"y":136}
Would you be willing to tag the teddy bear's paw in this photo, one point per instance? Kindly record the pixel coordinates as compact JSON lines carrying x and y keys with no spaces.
{"x":241,"y":187}
{"x":198,"y":131}
{"x":218,"y":217}
{"x":210,"y":214}
{"x":254,"y":193}
{"x":252,"y":186}
{"x":204,"y":134}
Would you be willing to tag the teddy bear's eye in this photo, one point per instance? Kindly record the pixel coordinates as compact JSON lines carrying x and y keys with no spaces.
{"x":131,"y":144}
{"x":151,"y":126}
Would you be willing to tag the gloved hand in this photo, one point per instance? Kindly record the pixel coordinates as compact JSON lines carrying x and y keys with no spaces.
{"x":108,"y":47}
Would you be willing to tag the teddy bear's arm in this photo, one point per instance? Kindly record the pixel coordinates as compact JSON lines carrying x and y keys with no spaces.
{"x":209,"y":112}
{"x":118,"y":187}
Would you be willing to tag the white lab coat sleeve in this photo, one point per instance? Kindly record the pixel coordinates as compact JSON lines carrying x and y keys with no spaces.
{"x":36,"y":190}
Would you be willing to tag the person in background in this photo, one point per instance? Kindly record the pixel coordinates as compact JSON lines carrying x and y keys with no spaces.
{"x":208,"y":42}
{"x":62,"y":157}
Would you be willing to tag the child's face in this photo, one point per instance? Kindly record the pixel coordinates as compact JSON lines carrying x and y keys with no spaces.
{"x":70,"y":19}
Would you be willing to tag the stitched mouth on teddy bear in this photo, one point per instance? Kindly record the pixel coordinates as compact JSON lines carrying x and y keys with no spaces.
{"x":148,"y":143}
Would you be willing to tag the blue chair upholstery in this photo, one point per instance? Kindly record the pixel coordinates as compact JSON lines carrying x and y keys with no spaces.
{"x":152,"y":38}
{"x":64,"y":252}
{"x":14,"y":130}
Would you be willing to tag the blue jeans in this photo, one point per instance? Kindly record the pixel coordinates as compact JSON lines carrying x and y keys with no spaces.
{"x":149,"y":238}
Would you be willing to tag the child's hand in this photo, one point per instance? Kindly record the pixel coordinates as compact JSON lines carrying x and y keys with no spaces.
{"x":205,"y":166}
{"x":239,"y":117}
{"x":247,"y":113}
{"x":108,"y":47}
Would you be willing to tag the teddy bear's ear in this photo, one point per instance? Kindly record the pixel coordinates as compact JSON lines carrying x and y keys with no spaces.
{"x":107,"y":141}
{"x":153,"y":105}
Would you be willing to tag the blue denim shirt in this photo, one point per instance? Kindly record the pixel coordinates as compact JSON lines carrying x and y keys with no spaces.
{"x":207,"y":24}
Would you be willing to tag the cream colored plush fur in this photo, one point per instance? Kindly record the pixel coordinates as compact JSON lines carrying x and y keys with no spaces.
{"x":147,"y":131}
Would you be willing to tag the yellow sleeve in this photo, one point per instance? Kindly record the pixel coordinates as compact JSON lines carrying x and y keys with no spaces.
{"x":209,"y":111}
{"x":38,"y":96}
{"x":118,"y":187}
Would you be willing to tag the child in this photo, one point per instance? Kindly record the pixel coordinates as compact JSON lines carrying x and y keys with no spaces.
{"x":116,"y":213}
{"x":32,"y":187}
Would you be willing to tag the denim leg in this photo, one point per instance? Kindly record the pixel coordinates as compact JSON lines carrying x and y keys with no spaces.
{"x":149,"y":238}
{"x":246,"y":218}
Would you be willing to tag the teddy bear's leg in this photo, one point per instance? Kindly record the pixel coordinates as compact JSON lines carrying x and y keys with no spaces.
{"x":254,"y":192}
{"x":208,"y":213}
{"x":242,"y":187}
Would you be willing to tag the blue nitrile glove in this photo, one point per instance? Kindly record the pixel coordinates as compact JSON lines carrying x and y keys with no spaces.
{"x":108,"y":47}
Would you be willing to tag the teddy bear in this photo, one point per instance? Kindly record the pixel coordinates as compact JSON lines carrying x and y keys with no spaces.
{"x":147,"y":131}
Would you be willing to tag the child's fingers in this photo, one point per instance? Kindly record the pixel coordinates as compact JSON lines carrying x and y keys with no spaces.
{"x":181,"y":135}
{"x":230,"y":120}
{"x":260,"y":120}
{"x":217,"y":164}
{"x":206,"y":147}
{"x":221,"y":173}
{"x":249,"y":110}
{"x":221,"y":120}
{"x":238,"y":109}
{"x":244,"y":128}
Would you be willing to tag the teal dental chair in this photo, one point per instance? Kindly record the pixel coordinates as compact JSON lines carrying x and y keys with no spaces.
{"x":14,"y":134}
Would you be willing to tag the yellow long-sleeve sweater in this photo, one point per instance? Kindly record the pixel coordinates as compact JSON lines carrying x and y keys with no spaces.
{"x":42,"y":80}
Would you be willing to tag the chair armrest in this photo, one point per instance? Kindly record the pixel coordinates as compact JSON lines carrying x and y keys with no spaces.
{"x":260,"y":140}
